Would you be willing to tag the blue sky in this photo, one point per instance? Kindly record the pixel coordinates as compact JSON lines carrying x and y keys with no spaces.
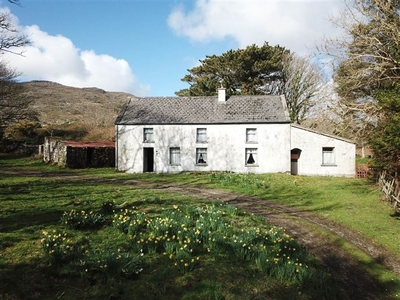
{"x":146,"y":47}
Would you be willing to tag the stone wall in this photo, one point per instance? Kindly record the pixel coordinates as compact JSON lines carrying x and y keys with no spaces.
{"x":54,"y":151}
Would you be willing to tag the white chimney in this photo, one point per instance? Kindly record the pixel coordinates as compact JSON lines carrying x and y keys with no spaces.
{"x":221,"y":94}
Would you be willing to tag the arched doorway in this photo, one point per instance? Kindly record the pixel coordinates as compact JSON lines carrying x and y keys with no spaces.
{"x":294,"y":161}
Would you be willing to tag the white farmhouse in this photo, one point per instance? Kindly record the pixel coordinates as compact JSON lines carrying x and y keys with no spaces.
{"x":243,"y":134}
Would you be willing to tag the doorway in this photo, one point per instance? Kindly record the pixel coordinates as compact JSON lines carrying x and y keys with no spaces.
{"x":148,"y":159}
{"x":294,"y":161}
{"x":89,"y":157}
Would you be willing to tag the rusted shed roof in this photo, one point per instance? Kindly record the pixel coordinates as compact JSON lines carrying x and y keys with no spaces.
{"x":98,"y":144}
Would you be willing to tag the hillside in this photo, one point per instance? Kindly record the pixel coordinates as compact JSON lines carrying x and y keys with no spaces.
{"x":58,"y":104}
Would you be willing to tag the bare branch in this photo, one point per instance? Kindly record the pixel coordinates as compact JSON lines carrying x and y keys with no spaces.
{"x":10,"y":38}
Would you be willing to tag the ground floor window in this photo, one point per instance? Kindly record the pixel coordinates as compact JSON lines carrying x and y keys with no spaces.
{"x":175,"y":156}
{"x":201,"y":156}
{"x":251,"y":156}
{"x":328,"y":156}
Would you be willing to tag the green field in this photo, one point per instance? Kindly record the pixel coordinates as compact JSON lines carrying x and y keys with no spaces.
{"x":98,"y":234}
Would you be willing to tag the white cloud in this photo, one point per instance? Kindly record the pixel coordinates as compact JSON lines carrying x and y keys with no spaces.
{"x":296,"y":24}
{"x":56,"y":58}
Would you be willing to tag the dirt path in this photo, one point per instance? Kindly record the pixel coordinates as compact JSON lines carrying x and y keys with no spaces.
{"x":305,"y":227}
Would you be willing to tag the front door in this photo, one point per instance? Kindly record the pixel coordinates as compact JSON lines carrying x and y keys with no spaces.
{"x":294,"y":161}
{"x":148,"y":159}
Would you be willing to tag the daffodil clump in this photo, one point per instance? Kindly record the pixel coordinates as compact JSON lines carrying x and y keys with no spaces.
{"x":83,"y":219}
{"x":114,"y":262}
{"x":184,"y":234}
{"x":60,"y":248}
{"x":273,"y":251}
{"x":187,"y":233}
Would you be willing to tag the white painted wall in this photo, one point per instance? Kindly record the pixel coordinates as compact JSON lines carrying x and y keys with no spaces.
{"x":225,"y":145}
{"x":310,"y":161}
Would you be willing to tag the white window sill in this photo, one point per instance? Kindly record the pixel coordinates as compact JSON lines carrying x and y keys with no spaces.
{"x":201,"y":165}
{"x":175,"y":165}
{"x":251,"y":142}
{"x":148,"y":141}
{"x":328,"y":165}
{"x":255,"y":165}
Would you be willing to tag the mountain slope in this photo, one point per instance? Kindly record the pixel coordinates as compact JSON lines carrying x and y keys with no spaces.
{"x":58,"y":104}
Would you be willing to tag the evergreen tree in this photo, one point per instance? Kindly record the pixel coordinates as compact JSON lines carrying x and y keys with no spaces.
{"x":265,"y":70}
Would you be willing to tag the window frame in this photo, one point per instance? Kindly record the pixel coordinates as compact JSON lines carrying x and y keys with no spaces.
{"x":251,"y":132}
{"x":251,"y":152}
{"x":328,"y":156}
{"x":199,"y":134}
{"x":203,"y":152}
{"x":151,"y":135}
{"x":175,"y":156}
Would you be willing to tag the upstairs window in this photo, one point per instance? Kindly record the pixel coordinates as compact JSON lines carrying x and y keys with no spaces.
{"x":175,"y":156}
{"x":251,"y":135}
{"x":328,"y":155}
{"x":251,"y":156}
{"x":201,"y":135}
{"x":148,"y":136}
{"x":201,"y":156}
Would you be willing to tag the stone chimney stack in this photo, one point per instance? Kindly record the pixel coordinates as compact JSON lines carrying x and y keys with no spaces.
{"x":221,"y":94}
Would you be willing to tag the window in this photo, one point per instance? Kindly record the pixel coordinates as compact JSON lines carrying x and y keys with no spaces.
{"x":148,"y":135}
{"x":251,"y":156}
{"x":201,"y":156}
{"x":174,"y":156}
{"x":251,"y":135}
{"x":328,"y":157}
{"x":201,"y":135}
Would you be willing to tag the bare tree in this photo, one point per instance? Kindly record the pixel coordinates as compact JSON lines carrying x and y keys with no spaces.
{"x":10,"y":37}
{"x":302,"y":85}
{"x":14,"y":106}
{"x":367,"y":74}
{"x":365,"y":59}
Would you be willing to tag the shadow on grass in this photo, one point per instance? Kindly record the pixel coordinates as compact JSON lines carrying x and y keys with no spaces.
{"x":21,"y":221}
{"x":31,"y":281}
{"x":42,"y":202}
{"x":396,"y":215}
{"x":354,"y":278}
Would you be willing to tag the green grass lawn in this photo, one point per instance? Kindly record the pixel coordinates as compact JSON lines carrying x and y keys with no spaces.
{"x":60,"y":239}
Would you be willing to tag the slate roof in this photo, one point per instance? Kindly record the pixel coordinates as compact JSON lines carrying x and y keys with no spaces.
{"x":204,"y":110}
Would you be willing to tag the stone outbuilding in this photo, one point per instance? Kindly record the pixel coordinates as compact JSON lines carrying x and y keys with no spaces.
{"x":74,"y":154}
